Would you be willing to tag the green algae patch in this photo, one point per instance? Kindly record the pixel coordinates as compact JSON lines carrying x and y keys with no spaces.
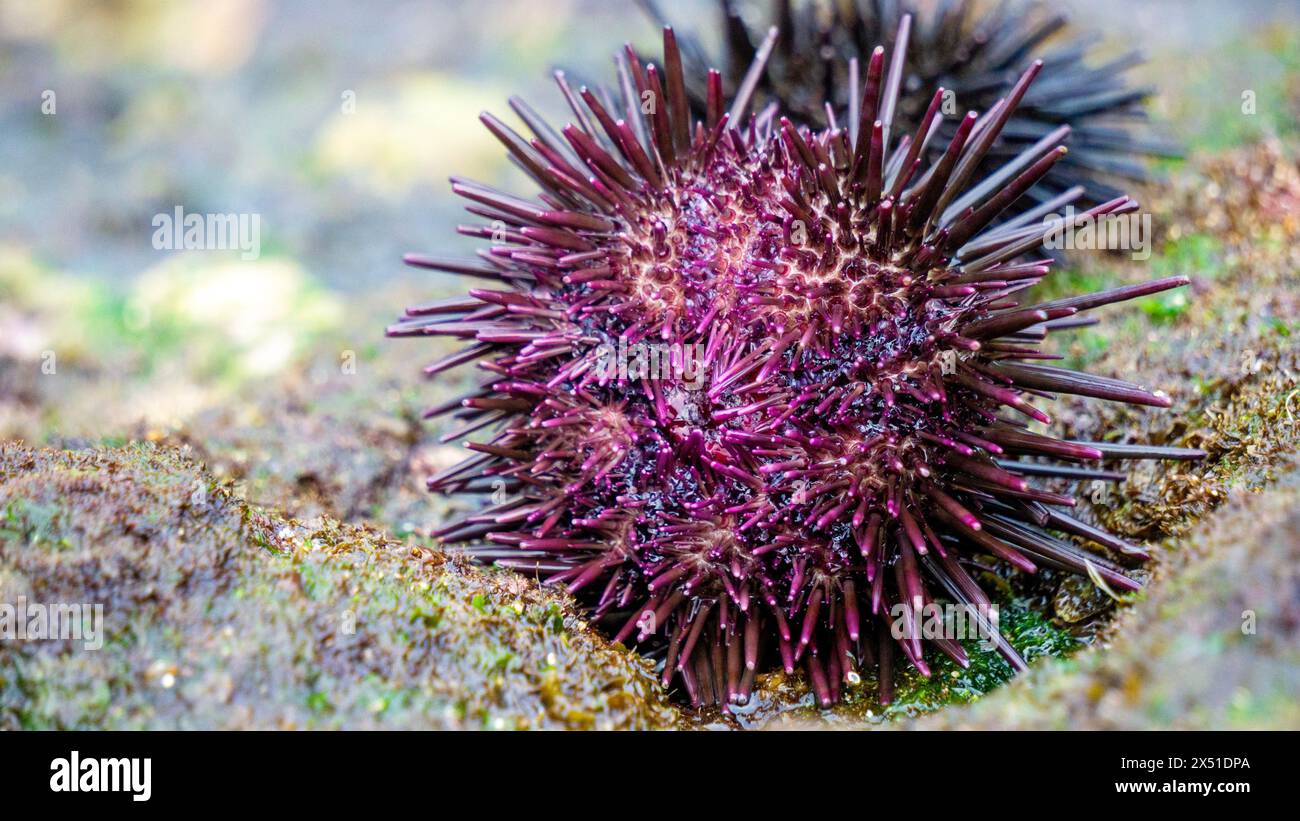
{"x":1031,"y":632}
{"x":782,"y":700}
{"x":218,"y":615}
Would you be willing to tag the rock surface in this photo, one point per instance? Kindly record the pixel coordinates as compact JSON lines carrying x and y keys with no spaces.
{"x":1215,"y":645}
{"x":218,"y":615}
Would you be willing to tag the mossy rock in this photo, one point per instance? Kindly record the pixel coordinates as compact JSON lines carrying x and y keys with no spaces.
{"x":218,"y":615}
{"x":1214,"y":646}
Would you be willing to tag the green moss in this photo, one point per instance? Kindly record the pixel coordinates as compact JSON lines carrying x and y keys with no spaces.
{"x":1069,"y":281}
{"x":1196,"y":254}
{"x":1087,"y":347}
{"x":1181,"y":658}
{"x":1165,"y":307}
{"x":218,"y":615}
{"x":786,"y":699}
{"x":1025,"y":627}
{"x":34,"y":523}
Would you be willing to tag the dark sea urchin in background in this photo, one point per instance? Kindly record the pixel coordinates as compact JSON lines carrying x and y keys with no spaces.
{"x":857,"y":428}
{"x":974,"y":50}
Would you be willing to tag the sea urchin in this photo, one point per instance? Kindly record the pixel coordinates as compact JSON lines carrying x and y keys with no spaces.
{"x":849,"y":380}
{"x":975,"y":51}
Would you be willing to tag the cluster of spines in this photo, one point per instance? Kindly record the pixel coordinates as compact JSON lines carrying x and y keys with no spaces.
{"x":850,"y":447}
{"x":973,"y":50}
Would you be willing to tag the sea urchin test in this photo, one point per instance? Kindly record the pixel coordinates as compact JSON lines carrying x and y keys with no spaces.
{"x":868,"y":419}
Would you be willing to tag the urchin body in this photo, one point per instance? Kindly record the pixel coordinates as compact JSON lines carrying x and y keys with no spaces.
{"x":846,"y":442}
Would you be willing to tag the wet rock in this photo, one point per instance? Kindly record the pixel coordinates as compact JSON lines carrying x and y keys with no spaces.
{"x":217,"y":614}
{"x":1077,"y":598}
{"x":1215,"y":645}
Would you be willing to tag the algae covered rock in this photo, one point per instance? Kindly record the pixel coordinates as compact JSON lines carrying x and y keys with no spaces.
{"x":1215,"y":645}
{"x":1214,"y":642}
{"x":219,"y":615}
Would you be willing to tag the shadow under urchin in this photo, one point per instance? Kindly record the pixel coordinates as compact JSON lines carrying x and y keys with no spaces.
{"x":974,"y":50}
{"x":865,"y":426}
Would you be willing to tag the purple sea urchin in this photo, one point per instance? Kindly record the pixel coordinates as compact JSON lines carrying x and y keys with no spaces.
{"x":972,"y":50}
{"x":863,"y":391}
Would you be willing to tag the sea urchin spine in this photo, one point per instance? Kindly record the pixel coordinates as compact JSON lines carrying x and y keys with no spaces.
{"x":975,"y":50}
{"x":868,"y":378}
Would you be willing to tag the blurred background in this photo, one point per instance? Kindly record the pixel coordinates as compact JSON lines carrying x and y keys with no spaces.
{"x":339,"y":122}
